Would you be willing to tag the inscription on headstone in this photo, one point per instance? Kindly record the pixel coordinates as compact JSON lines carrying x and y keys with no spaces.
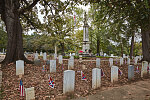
{"x":96,"y":78}
{"x":30,"y":94}
{"x":20,"y":67}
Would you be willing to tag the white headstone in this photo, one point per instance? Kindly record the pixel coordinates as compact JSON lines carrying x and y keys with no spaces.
{"x":44,"y":56}
{"x":30,"y":94}
{"x":135,"y":60}
{"x":121,"y":61}
{"x":114,"y":74}
{"x":112,"y":55}
{"x":36,"y":56}
{"x":140,"y":57}
{"x":111,"y":61}
{"x":52,"y":66}
{"x":98,"y":63}
{"x":130,"y":72}
{"x":124,"y":56}
{"x":71,"y":63}
{"x":55,"y":56}
{"x":68,"y":81}
{"x":144,"y":68}
{"x":128,"y":61}
{"x":96,"y":78}
{"x":60,"y":58}
{"x":41,"y":54}
{"x":20,"y":67}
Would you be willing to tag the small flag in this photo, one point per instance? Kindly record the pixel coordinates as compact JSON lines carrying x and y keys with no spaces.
{"x":148,"y":68}
{"x":102,"y":73}
{"x":21,"y":88}
{"x":43,"y":68}
{"x":137,"y":69}
{"x":51,"y":83}
{"x":119,"y":72}
{"x":83,"y":76}
{"x":74,"y":20}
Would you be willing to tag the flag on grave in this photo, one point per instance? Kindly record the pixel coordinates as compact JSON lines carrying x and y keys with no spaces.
{"x":102,"y":73}
{"x":43,"y":68}
{"x":21,"y":88}
{"x":83,"y":76}
{"x":119,"y":72}
{"x":137,"y":69}
{"x":148,"y":68}
{"x":51,"y":83}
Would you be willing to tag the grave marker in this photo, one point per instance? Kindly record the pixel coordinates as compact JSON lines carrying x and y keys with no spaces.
{"x":44,"y":56}
{"x":68,"y":81}
{"x":130,"y":72}
{"x":52,"y":66}
{"x":135,"y":60}
{"x":111,"y":61}
{"x":30,"y":93}
{"x":60,"y":58}
{"x":36,"y":56}
{"x":114,"y":74}
{"x":98,"y":62}
{"x":121,"y":61}
{"x":96,"y":78}
{"x":144,"y":68}
{"x":19,"y":67}
{"x":71,"y":63}
{"x":55,"y":56}
{"x":128,"y":61}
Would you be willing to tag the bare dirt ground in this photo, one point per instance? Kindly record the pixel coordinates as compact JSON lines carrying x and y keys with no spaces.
{"x":34,"y":77}
{"x":135,"y":91}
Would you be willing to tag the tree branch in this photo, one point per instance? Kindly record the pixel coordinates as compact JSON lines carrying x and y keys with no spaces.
{"x":28,"y":7}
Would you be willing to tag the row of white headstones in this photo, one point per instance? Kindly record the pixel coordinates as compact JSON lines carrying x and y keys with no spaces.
{"x":69,"y":75}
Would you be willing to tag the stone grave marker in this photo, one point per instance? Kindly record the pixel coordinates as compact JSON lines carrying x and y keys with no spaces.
{"x":71,"y":63}
{"x":121,"y":61}
{"x":130,"y":72}
{"x":96,"y":78}
{"x":0,"y":78}
{"x":19,"y":67}
{"x":111,"y":61}
{"x":68,"y":81}
{"x":44,"y":56}
{"x":41,"y":53}
{"x":80,"y":58}
{"x":114,"y":74}
{"x":135,"y":60}
{"x":60,"y":58}
{"x":128,"y":61}
{"x":55,"y":56}
{"x":83,"y":67}
{"x":52,"y":66}
{"x":144,"y":68}
{"x":36,"y":56}
{"x":98,"y":63}
{"x":30,"y":93}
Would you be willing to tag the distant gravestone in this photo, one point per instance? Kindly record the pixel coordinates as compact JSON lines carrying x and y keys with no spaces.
{"x":44,"y":56}
{"x":55,"y":56}
{"x":114,"y":74}
{"x":41,"y":53}
{"x":47,"y":62}
{"x":20,"y":67}
{"x":111,"y":61}
{"x":121,"y":61}
{"x":37,"y":62}
{"x":96,"y":78}
{"x":0,"y":78}
{"x":98,"y":63}
{"x":135,"y":60}
{"x":71,"y":63}
{"x":68,"y":81}
{"x":128,"y":61}
{"x":36,"y":56}
{"x":60,"y":58}
{"x":52,"y":66}
{"x":144,"y":68}
{"x":30,"y":93}
{"x":140,"y":57}
{"x":130,"y":72}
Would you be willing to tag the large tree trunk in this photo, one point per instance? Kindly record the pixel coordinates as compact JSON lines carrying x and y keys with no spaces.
{"x":132,"y":46}
{"x":14,"y":32}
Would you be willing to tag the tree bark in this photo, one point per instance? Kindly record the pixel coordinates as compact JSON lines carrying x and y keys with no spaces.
{"x":14,"y":32}
{"x":62,"y":48}
{"x":132,"y":46}
{"x":98,"y":45}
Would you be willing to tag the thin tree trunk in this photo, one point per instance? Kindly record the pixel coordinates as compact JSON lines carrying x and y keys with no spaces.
{"x":98,"y":45}
{"x":14,"y":32}
{"x":62,"y":48}
{"x":132,"y":46}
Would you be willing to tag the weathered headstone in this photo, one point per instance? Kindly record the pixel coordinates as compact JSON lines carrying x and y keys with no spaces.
{"x":114,"y":74}
{"x":60,"y":58}
{"x":128,"y":61}
{"x":55,"y":56}
{"x":130,"y":72}
{"x":144,"y":68}
{"x":41,"y":53}
{"x":37,"y":62}
{"x":71,"y":63}
{"x":47,"y":62}
{"x":121,"y":61}
{"x":30,"y":93}
{"x":135,"y":60}
{"x":52,"y":66}
{"x":44,"y":56}
{"x":68,"y":81}
{"x":20,"y":67}
{"x":111,"y":61}
{"x":80,"y":58}
{"x":98,"y":63}
{"x":0,"y":78}
{"x":96,"y":78}
{"x":36,"y":56}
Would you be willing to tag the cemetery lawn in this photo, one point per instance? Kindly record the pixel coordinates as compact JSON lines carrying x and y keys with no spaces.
{"x":34,"y":77}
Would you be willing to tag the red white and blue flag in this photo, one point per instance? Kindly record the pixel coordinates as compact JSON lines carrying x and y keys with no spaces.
{"x":21,"y":88}
{"x":43,"y":68}
{"x":119,"y":72}
{"x":51,"y":83}
{"x":83,"y":76}
{"x":102,"y":73}
{"x":137,"y":69}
